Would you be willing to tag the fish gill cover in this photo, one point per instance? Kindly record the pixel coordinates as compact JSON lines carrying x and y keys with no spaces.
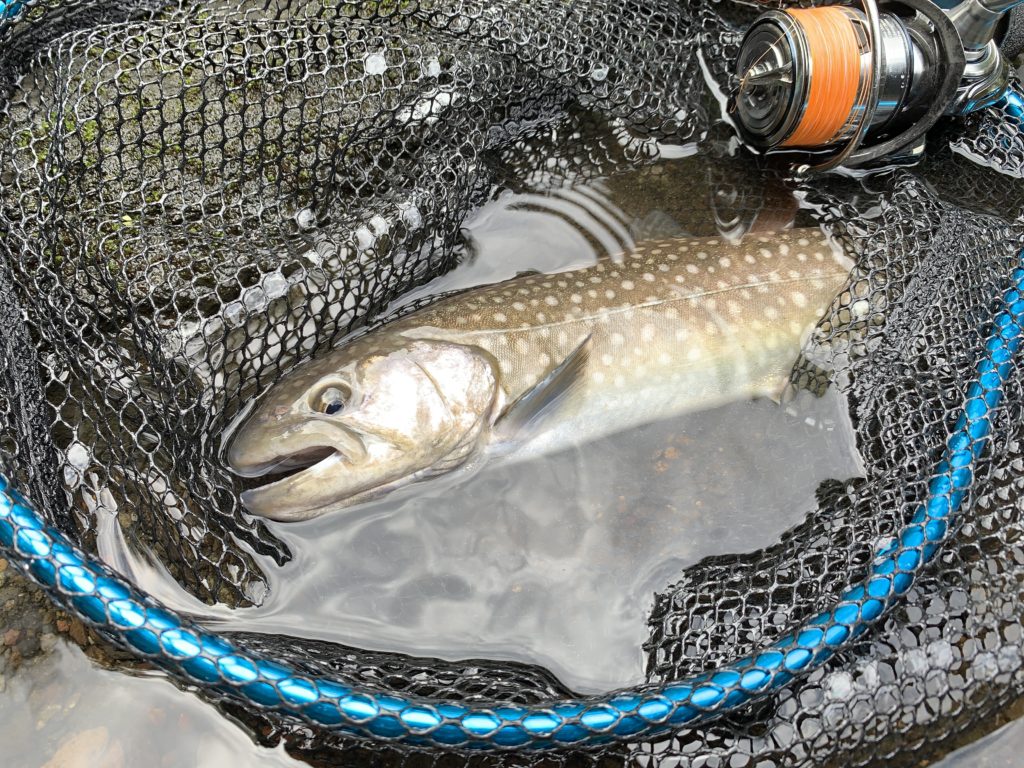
{"x":194,"y":198}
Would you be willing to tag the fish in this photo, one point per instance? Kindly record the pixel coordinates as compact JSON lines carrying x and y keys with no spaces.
{"x":535,"y":364}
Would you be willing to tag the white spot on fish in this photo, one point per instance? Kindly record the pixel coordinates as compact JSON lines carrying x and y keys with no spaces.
{"x":500,"y":317}
{"x":576,"y":298}
{"x":617,"y":339}
{"x":522,"y":347}
{"x":620,"y":381}
{"x":628,"y":285}
{"x":702,"y":255}
{"x":609,"y":294}
{"x":799,"y":299}
{"x":598,"y":377}
{"x":647,"y":333}
{"x":518,"y":306}
{"x":607,"y":359}
{"x":648,"y":277}
{"x":551,"y":301}
{"x":724,"y":261}
{"x":692,"y":269}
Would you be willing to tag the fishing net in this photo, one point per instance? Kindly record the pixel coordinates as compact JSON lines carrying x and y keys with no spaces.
{"x":194,"y":198}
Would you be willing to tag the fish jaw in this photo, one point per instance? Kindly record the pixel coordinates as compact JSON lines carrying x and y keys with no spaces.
{"x":417,"y":408}
{"x":293,"y":440}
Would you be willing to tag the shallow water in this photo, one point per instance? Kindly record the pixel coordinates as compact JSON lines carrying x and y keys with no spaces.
{"x":551,"y":562}
{"x":61,"y":711}
{"x":555,"y":561}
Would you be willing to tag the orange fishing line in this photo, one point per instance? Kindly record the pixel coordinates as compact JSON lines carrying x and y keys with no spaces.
{"x":834,"y":75}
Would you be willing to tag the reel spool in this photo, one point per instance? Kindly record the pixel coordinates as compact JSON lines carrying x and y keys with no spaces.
{"x":865,"y":84}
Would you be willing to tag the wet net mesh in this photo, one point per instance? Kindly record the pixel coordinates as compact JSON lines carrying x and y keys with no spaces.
{"x":194,"y":198}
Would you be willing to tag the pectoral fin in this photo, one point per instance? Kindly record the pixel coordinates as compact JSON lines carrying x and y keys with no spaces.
{"x":523,"y":417}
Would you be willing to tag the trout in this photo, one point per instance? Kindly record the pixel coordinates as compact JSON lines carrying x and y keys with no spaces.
{"x":535,"y":364}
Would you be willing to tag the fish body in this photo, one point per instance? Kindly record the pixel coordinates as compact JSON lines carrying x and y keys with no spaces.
{"x":538,"y":363}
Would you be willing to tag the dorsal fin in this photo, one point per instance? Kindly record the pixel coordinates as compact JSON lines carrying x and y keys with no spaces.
{"x":522,"y":417}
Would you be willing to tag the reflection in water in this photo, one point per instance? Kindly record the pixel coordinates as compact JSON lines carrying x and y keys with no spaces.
{"x":555,"y":561}
{"x":60,"y":711}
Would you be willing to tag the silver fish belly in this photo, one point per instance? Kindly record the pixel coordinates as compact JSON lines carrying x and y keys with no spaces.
{"x":673,"y":326}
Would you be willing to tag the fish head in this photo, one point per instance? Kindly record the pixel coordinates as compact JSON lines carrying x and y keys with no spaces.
{"x":363,"y":420}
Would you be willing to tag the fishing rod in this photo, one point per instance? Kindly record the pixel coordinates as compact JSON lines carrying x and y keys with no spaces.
{"x":853,"y":86}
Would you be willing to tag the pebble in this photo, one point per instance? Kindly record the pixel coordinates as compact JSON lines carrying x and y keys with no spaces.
{"x":88,"y":749}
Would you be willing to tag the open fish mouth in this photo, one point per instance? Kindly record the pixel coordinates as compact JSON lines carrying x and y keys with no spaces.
{"x":290,"y":466}
{"x":289,"y":463}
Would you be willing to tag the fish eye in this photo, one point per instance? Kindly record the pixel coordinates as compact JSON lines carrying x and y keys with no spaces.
{"x":330,"y":400}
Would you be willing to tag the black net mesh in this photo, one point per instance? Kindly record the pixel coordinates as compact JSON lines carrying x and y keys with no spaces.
{"x":195,"y":198}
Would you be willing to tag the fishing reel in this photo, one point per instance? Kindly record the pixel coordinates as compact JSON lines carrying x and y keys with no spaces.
{"x":853,"y":86}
